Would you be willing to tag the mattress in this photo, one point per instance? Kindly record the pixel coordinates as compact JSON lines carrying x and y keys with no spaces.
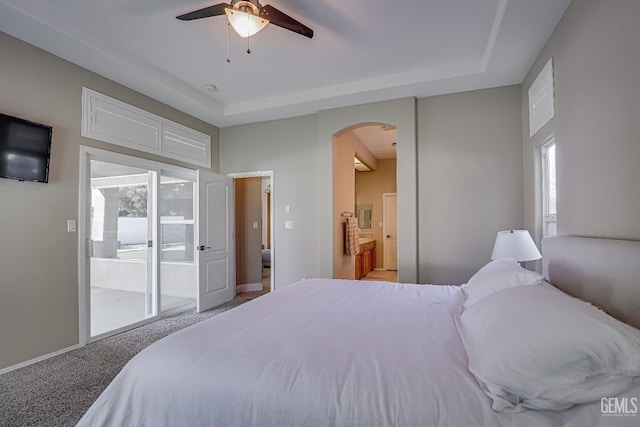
{"x":318,"y":353}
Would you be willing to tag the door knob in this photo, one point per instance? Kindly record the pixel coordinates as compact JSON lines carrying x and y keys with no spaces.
{"x":389,"y":236}
{"x":203,"y":247}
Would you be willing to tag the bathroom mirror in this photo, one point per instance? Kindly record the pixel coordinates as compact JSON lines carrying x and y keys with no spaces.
{"x":364,"y":215}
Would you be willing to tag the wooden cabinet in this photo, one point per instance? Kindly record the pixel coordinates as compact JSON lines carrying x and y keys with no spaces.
{"x":373,"y":257}
{"x":366,"y":260}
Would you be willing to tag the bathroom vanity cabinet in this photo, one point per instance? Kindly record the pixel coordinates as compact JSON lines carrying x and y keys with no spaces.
{"x":366,"y":260}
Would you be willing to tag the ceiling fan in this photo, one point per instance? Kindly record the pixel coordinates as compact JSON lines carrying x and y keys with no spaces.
{"x":249,"y":17}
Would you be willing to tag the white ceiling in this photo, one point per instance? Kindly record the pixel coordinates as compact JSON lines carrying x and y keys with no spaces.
{"x":362,"y":50}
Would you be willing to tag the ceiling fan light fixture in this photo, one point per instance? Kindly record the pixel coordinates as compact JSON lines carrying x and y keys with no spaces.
{"x":245,"y":23}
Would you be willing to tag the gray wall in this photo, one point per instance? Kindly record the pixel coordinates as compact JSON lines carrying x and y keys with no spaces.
{"x":38,"y":258}
{"x":288,"y":147}
{"x":469,"y":179}
{"x":400,"y":113}
{"x":471,"y":169}
{"x":597,"y":124}
{"x":469,"y":182}
{"x":299,"y":151}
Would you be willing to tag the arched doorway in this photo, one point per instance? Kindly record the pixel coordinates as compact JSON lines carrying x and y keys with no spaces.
{"x":402,"y":114}
{"x":364,"y":176}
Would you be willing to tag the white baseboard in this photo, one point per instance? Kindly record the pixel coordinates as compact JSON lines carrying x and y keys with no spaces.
{"x":38,"y":359}
{"x":249,"y":287}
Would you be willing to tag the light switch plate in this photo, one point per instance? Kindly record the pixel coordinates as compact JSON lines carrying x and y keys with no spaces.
{"x":71,"y":225}
{"x":288,"y":225}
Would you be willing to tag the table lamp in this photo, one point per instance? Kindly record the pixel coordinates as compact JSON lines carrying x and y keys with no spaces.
{"x":516,"y":244}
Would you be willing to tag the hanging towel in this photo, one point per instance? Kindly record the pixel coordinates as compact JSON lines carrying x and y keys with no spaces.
{"x":351,"y":236}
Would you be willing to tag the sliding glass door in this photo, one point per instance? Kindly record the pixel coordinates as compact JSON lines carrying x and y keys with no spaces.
{"x":121,"y":285}
{"x":140,"y":233}
{"x":177,"y":235}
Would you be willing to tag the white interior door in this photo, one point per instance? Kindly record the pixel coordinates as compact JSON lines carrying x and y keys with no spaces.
{"x":216,"y":259}
{"x":390,"y":230}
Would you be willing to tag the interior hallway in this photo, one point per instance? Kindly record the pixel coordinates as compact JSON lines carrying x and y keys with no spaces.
{"x":266,"y":286}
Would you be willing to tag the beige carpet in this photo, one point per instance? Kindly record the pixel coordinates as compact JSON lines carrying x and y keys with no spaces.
{"x":58,"y":391}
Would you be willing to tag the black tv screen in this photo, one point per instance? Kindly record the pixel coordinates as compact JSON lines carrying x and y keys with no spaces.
{"x":24,"y":149}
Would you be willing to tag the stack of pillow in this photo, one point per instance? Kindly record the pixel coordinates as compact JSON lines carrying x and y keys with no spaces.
{"x":531,"y":346}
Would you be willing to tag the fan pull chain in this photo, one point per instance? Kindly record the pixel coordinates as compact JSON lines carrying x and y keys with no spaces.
{"x":248,"y":36}
{"x":228,"y":38}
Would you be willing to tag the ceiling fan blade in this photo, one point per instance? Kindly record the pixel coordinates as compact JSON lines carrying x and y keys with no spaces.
{"x":283,"y":20}
{"x":215,"y":10}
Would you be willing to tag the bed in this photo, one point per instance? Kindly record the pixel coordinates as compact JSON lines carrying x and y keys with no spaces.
{"x":349,"y":353}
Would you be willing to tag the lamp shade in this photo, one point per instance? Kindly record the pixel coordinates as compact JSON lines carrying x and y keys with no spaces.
{"x":516,"y":244}
{"x":245,"y":24}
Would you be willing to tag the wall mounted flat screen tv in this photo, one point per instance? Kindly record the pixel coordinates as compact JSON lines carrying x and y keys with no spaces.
{"x":24,"y":149}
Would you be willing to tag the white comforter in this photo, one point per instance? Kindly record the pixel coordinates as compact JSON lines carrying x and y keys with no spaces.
{"x":318,"y":353}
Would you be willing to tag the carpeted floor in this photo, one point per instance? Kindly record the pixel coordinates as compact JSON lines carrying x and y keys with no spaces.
{"x":58,"y":391}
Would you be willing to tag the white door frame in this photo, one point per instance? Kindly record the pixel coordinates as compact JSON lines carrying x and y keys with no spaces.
{"x":84,"y":234}
{"x":271,"y":175}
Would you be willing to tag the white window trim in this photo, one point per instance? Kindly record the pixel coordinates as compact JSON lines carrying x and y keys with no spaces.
{"x":109,"y":120}
{"x":547,"y":218}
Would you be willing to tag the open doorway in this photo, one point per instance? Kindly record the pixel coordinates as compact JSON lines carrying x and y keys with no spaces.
{"x":254,"y":233}
{"x":364,"y":170}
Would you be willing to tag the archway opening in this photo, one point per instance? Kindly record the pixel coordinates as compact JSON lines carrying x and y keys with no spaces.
{"x":365,"y":202}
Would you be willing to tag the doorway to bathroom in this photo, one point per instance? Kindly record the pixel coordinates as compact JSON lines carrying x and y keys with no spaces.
{"x":364,"y":170}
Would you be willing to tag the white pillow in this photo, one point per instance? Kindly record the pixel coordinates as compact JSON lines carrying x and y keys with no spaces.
{"x":538,"y":348}
{"x":495,"y":276}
